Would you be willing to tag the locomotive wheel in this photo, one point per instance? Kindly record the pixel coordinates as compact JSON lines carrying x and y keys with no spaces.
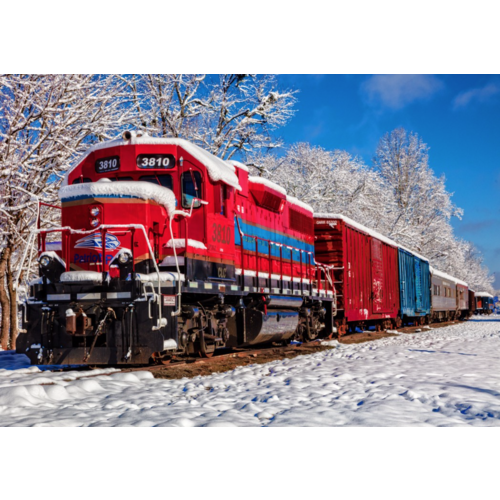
{"x":207,"y":349}
{"x":304,"y":335}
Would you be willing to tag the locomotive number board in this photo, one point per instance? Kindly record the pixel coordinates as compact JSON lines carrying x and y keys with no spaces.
{"x":156,"y":161}
{"x":109,"y":164}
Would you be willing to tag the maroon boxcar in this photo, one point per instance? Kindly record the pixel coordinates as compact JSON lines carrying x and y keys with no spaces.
{"x":365,"y":269}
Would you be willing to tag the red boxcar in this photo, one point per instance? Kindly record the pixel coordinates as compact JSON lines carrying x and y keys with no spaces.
{"x":365,"y":269}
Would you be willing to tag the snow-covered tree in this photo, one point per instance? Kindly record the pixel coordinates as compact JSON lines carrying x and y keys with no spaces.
{"x":224,"y":114}
{"x":46,"y":122}
{"x":330,"y":181}
{"x":400,"y":197}
{"x":423,"y":207}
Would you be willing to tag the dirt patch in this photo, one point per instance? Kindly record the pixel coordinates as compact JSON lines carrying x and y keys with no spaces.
{"x":358,"y":338}
{"x":225,"y":363}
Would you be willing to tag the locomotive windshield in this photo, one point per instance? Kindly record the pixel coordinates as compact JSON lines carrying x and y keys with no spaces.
{"x":162,"y":180}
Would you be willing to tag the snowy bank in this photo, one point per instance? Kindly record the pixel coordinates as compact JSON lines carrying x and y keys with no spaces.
{"x":443,"y":377}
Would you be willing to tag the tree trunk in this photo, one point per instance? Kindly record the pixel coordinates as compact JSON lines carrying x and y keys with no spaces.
{"x":4,"y":300}
{"x":14,"y":328}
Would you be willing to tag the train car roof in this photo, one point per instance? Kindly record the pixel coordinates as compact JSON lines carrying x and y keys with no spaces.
{"x":298,"y":203}
{"x":448,"y":277}
{"x":218,"y":169}
{"x":483,"y":294}
{"x":238,"y":164}
{"x":369,"y":231}
{"x":357,"y":225}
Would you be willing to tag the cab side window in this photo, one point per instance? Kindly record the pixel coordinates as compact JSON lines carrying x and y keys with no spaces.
{"x":191,"y":188}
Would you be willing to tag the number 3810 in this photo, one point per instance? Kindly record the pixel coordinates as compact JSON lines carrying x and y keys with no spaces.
{"x":221,"y":234}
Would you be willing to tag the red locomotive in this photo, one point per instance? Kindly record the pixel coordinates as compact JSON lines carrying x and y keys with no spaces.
{"x":168,"y":250}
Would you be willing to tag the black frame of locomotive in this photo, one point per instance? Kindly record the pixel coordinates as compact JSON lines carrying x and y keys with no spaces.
{"x":214,"y":313}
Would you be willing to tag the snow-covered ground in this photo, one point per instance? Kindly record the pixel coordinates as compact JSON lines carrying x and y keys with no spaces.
{"x":444,"y":377}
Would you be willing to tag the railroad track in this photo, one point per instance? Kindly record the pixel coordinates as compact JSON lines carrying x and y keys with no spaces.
{"x":230,"y":359}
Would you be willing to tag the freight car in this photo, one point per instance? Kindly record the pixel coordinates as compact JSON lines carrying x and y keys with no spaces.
{"x":484,"y":303}
{"x":414,"y":287}
{"x":450,"y":297}
{"x":365,"y":268}
{"x":382,"y":284}
{"x":168,"y":250}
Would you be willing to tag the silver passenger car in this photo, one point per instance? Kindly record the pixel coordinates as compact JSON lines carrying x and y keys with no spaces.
{"x":450,"y":297}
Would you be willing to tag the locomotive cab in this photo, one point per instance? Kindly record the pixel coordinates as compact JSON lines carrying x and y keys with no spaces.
{"x":199,"y":236}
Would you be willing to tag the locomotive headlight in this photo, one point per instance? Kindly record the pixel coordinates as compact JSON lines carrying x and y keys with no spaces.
{"x":95,"y":211}
{"x":51,"y":266}
{"x":125,"y":262}
{"x":45,"y":261}
{"x":95,"y":222}
{"x":124,"y":258}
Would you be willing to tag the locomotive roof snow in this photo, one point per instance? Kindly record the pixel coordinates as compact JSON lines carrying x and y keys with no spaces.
{"x":369,"y":231}
{"x":120,"y":189}
{"x":267,"y":183}
{"x":483,"y":294}
{"x":238,"y":164}
{"x":218,"y":170}
{"x":448,"y":277}
{"x":301,"y":204}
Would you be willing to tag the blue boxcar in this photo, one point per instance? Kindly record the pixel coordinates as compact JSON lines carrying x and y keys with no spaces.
{"x":414,"y":285}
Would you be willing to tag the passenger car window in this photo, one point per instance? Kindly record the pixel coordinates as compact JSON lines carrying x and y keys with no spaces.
{"x":191,"y":188}
{"x":164,"y":180}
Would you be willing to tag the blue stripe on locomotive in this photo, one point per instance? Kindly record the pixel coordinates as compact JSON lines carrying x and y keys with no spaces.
{"x":414,"y":285}
{"x":249,"y":231}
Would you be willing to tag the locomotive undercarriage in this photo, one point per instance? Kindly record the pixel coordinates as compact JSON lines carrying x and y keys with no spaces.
{"x":124,"y":322}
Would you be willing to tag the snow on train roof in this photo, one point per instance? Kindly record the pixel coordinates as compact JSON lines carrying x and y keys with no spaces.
{"x":369,"y":231}
{"x":267,"y":183}
{"x":357,"y":225}
{"x":301,"y":204}
{"x":483,"y":294}
{"x":238,"y":164}
{"x":448,"y":277}
{"x":218,"y":169}
{"x":137,"y":189}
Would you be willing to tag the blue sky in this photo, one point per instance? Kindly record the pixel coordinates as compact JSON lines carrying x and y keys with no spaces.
{"x":458,"y":116}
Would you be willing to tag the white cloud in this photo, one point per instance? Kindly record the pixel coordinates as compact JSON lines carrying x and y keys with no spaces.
{"x":481,"y":95}
{"x":397,"y":91}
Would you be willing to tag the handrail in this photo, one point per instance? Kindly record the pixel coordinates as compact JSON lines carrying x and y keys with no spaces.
{"x":309,"y":265}
{"x":103,"y":228}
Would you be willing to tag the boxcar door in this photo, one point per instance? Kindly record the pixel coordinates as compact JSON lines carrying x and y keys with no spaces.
{"x":418,"y":285}
{"x":377,"y":275}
